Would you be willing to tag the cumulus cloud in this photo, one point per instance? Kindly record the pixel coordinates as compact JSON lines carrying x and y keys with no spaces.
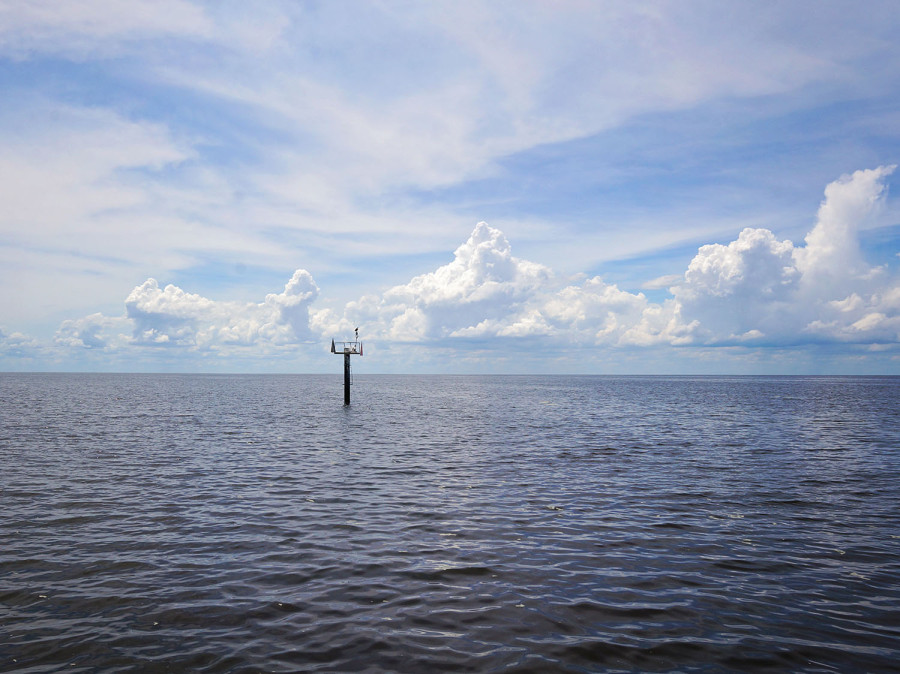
{"x":172,"y":317}
{"x":730,"y":290}
{"x":832,"y":247}
{"x":757,"y":289}
{"x":17,"y":344}
{"x":483,"y":283}
{"x":93,"y":332}
{"x":487,"y":292}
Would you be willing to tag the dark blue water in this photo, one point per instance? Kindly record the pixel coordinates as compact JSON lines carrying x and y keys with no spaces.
{"x":162,"y":523}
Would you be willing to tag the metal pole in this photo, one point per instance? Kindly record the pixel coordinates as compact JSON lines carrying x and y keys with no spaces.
{"x":347,"y":376}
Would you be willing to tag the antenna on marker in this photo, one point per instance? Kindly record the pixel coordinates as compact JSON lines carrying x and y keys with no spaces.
{"x":354,"y":348}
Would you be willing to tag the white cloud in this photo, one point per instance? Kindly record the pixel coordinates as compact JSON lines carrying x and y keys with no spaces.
{"x":662,"y":282}
{"x":80,"y":156}
{"x":171,"y":317}
{"x":870,"y":318}
{"x":732,"y":289}
{"x":832,"y":251}
{"x":485,"y":292}
{"x":484,"y":282}
{"x":761,"y":286}
{"x":751,"y":291}
{"x":394,"y":96}
{"x":330,"y":115}
{"x":756,"y":289}
{"x":79,"y":211}
{"x":594,"y":311}
{"x":17,"y":344}
{"x":91,"y":26}
{"x":93,"y":199}
{"x":93,"y":332}
{"x":292,"y":305}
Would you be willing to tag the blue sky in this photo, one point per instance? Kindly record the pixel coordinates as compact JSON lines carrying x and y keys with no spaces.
{"x":691,"y":187}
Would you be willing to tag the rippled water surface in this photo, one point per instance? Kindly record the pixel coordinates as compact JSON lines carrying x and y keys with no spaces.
{"x":253,"y":523}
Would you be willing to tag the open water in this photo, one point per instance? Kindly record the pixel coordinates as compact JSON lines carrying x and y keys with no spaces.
{"x":169,"y":523}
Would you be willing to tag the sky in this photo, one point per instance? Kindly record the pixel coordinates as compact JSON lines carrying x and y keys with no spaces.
{"x":609,"y":187}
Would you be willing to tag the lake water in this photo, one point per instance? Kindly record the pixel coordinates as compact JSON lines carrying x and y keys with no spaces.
{"x":161,"y":523}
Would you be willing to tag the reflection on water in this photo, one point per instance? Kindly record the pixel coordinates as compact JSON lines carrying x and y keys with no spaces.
{"x":219,"y":523}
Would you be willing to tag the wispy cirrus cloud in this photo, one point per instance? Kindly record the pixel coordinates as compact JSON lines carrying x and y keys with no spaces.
{"x":94,"y":27}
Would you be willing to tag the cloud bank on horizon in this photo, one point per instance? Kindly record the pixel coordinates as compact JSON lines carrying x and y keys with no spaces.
{"x":755,"y":290}
{"x":198,"y":152}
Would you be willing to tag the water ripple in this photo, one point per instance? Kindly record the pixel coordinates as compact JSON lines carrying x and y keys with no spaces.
{"x":523,"y":524}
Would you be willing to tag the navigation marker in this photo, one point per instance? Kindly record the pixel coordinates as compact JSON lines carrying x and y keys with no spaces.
{"x":354,"y":348}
